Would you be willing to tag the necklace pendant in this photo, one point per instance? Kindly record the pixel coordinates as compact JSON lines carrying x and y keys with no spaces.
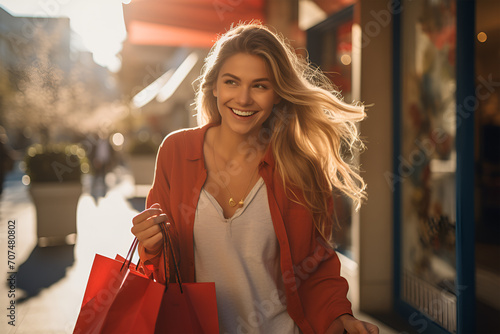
{"x":241,"y":202}
{"x":232,"y":202}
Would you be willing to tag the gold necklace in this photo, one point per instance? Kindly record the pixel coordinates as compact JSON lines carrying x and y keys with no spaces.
{"x":232,"y":202}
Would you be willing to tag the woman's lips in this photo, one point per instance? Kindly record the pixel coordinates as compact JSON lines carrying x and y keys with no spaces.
{"x":243,"y":113}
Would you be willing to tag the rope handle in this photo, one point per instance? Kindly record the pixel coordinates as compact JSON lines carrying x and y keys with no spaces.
{"x":130,"y":254}
{"x":167,"y":243}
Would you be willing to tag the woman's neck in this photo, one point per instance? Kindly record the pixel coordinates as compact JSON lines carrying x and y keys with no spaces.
{"x":233,"y":146}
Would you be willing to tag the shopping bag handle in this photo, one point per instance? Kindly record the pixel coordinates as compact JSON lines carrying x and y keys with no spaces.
{"x":167,"y":243}
{"x":130,"y":254}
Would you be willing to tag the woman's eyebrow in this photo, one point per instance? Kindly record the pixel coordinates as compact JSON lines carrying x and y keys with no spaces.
{"x":236,"y":78}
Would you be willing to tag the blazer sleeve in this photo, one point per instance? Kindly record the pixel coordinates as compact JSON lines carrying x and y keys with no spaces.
{"x":316,"y":271}
{"x":152,"y":264}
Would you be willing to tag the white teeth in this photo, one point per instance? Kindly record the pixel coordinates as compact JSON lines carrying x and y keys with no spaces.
{"x":243,"y":113}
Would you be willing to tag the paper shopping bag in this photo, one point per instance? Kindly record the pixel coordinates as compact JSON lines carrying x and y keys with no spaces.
{"x":186,"y":307}
{"x":192,"y":311}
{"x":118,"y":300}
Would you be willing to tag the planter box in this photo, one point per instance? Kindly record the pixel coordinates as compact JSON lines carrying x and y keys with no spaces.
{"x":143,"y":168}
{"x":56,"y":205}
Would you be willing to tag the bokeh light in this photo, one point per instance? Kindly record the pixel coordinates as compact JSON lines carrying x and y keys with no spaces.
{"x":346,"y":59}
{"x":482,"y":37}
{"x":26,"y":180}
{"x":117,"y":139}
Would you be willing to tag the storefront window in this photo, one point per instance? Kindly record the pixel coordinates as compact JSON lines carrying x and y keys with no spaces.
{"x":427,"y":162}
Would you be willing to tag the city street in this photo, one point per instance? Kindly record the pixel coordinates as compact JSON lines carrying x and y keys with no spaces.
{"x":51,"y":281}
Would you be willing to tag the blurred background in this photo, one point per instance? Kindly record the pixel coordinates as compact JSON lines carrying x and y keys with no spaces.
{"x":88,"y":89}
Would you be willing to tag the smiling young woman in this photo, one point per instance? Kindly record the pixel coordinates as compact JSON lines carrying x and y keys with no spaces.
{"x":248,"y":194}
{"x":245,"y":95}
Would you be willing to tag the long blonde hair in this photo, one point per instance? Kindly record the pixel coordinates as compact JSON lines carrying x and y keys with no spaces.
{"x":309,"y":129}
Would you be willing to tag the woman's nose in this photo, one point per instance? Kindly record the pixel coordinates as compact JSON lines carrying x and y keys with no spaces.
{"x":244,"y":97}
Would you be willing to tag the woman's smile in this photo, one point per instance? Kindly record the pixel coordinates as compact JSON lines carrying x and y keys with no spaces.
{"x":244,"y":113}
{"x":245,"y":94}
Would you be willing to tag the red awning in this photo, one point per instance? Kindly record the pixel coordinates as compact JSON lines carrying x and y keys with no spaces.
{"x":193,"y":23}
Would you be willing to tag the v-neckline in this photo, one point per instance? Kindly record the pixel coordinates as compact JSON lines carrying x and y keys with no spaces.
{"x":240,"y":210}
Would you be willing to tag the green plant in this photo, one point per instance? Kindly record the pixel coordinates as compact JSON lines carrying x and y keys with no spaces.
{"x":56,"y":163}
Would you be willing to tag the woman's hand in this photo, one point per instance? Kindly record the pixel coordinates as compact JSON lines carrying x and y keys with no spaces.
{"x":352,"y":325}
{"x":147,"y":230}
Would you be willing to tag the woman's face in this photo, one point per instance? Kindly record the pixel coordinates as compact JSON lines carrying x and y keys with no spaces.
{"x":244,"y":92}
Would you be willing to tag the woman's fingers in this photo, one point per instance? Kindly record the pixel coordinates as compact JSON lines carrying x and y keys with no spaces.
{"x":146,"y":229}
{"x":153,"y":244}
{"x":149,"y":222}
{"x":154,"y":210}
{"x":149,"y":233}
{"x":149,"y":227}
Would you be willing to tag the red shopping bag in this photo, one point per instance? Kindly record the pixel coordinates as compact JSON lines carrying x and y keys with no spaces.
{"x":118,"y":299}
{"x":186,"y":307}
{"x":192,"y":311}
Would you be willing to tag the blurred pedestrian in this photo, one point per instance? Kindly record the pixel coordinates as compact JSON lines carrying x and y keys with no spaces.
{"x":248,"y":194}
{"x":101,"y":159}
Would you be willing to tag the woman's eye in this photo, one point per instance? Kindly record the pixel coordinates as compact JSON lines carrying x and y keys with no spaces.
{"x":260,"y":86}
{"x":230,"y":82}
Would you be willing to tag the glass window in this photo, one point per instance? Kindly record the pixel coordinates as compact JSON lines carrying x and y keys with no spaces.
{"x":427,"y":163}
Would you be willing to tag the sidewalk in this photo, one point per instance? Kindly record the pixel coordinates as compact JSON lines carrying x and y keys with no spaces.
{"x":51,"y":280}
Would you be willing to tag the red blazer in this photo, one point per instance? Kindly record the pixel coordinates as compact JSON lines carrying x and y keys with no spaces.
{"x":315,"y":291}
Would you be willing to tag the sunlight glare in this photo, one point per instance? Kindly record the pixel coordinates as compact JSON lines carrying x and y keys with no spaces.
{"x":179,"y":75}
{"x":99,"y":23}
{"x":102,"y":31}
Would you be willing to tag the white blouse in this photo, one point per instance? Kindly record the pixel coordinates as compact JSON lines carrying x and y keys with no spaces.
{"x":241,"y":255}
